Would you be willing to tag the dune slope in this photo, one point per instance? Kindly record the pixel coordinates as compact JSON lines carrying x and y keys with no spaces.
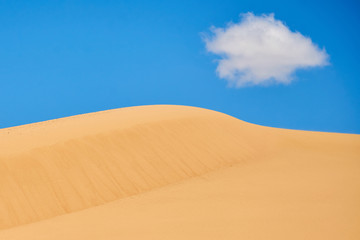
{"x":190,"y":172}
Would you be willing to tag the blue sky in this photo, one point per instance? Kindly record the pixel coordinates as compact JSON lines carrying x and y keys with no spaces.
{"x":61,"y":58}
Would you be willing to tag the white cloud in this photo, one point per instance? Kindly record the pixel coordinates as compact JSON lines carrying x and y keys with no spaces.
{"x":260,"y":50}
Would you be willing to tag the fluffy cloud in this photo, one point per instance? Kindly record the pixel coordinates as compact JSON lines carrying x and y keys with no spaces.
{"x":260,"y":50}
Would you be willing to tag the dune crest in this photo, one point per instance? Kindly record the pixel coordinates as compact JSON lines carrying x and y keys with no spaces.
{"x":65,"y":165}
{"x":62,"y":166}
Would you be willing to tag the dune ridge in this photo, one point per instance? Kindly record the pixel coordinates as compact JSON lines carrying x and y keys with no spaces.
{"x":65,"y":165}
{"x":62,"y":166}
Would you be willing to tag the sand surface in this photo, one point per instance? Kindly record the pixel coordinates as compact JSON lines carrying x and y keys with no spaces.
{"x":175,"y":172}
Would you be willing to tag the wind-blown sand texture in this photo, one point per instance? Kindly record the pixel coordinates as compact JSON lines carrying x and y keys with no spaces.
{"x":176,"y":172}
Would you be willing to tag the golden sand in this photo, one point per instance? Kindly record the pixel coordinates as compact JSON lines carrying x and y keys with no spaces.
{"x":175,"y":172}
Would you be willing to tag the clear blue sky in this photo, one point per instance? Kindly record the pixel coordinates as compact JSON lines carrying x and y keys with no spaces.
{"x":61,"y":58}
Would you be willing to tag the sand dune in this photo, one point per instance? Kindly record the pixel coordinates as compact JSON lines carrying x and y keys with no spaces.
{"x":175,"y":172}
